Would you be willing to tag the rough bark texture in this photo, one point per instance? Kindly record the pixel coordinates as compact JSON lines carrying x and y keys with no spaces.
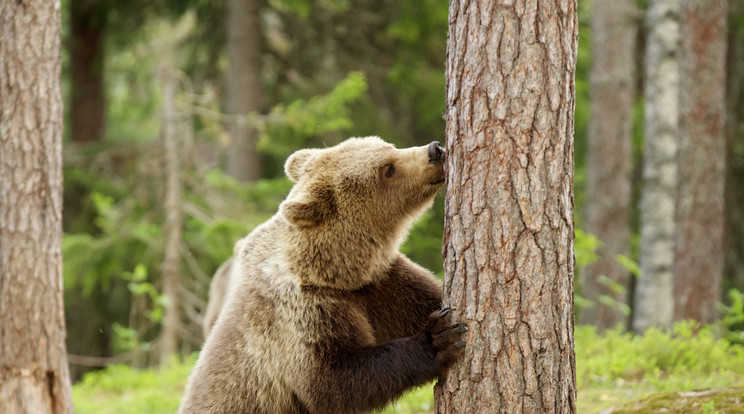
{"x":699,"y":248}
{"x":609,"y":159}
{"x":172,"y":229}
{"x":34,"y":376}
{"x":509,"y":231}
{"x":243,"y":86}
{"x":87,"y":106}
{"x":654,"y":302}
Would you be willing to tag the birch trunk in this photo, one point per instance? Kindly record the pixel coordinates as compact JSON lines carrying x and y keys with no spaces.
{"x":609,"y":159}
{"x":654,"y":300}
{"x":702,"y":155}
{"x":34,"y":376}
{"x":508,"y":241}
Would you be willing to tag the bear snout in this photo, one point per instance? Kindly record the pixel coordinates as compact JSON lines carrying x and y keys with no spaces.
{"x":436,"y":153}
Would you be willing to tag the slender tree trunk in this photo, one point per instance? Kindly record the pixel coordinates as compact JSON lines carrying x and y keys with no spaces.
{"x":244,"y":85}
{"x":87,"y":106}
{"x":702,"y":155}
{"x":509,"y":231}
{"x":609,"y":159}
{"x":34,"y":376}
{"x":172,"y":229}
{"x":734,"y":228}
{"x":654,"y":300}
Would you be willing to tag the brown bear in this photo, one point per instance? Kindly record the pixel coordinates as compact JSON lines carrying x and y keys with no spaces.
{"x":327,"y":315}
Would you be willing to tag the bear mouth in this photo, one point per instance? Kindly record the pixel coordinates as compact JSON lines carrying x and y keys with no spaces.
{"x":442,"y":177}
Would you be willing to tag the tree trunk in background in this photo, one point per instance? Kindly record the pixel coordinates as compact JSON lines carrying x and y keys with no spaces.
{"x":34,"y":376}
{"x":609,"y":159}
{"x":87,"y":105}
{"x":508,"y":240}
{"x":243,"y":86}
{"x":734,"y":227}
{"x":172,"y":229}
{"x":702,"y":156}
{"x":654,"y":302}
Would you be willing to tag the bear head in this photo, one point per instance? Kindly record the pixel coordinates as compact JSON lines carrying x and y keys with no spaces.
{"x":352,"y":206}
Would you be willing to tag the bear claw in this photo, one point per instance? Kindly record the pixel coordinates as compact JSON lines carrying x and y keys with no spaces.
{"x":460,"y":328}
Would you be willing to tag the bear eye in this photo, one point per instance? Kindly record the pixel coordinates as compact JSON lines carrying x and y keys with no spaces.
{"x":389,"y":170}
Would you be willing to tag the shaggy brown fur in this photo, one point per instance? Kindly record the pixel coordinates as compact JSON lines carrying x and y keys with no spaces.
{"x":327,"y":316}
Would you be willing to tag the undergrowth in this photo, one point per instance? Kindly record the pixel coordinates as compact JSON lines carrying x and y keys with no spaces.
{"x":612,"y":368}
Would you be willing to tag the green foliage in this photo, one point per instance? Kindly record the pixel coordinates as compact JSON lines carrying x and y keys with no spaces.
{"x":424,"y":243}
{"x":585,"y":249}
{"x":115,"y":264}
{"x":417,"y":401}
{"x":612,"y":367}
{"x":289,"y":127}
{"x":709,"y":408}
{"x":121,"y":389}
{"x":716,"y":401}
{"x":732,"y":317}
{"x":688,"y":357}
{"x":629,"y":264}
{"x":585,"y":245}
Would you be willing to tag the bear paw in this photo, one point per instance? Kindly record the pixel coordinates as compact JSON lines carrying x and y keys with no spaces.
{"x":444,"y":338}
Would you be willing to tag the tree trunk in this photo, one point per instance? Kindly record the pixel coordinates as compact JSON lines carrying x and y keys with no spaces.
{"x":734,"y":228}
{"x":34,"y":376}
{"x":699,"y":248}
{"x":172,"y":229}
{"x":654,"y":301}
{"x":243,"y":86}
{"x":609,"y":159}
{"x":87,"y":105}
{"x":509,"y":231}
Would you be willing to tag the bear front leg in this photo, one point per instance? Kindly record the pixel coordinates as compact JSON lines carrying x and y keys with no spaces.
{"x":358,"y":380}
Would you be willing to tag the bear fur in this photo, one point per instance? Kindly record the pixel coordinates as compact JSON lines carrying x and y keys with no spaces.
{"x":327,"y":316}
{"x":221,"y":284}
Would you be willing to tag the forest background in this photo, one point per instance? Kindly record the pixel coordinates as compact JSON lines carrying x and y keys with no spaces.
{"x":179,"y":115}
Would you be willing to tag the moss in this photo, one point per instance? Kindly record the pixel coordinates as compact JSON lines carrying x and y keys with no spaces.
{"x":723,"y":401}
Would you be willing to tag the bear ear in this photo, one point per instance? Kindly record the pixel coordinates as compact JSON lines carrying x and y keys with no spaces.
{"x":312,"y":210}
{"x":297,"y":162}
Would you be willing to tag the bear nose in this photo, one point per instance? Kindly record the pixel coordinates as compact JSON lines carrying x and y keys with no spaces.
{"x":436,"y":153}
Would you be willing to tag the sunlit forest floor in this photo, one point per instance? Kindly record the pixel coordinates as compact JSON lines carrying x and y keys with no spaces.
{"x":690,"y":370}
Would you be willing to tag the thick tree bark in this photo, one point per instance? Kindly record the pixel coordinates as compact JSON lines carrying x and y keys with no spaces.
{"x":702,"y":156}
{"x":509,"y":231}
{"x":654,"y":301}
{"x":87,"y":105}
{"x":34,"y":376}
{"x":172,"y":229}
{"x":609,"y":159}
{"x":243,"y":86}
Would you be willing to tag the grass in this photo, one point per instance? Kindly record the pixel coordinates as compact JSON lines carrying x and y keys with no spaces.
{"x":616,"y":368}
{"x":121,"y":389}
{"x":691,"y":369}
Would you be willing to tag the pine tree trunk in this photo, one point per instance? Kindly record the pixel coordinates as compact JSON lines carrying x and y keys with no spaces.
{"x":654,"y":300}
{"x":243,"y":86}
{"x":34,"y":376}
{"x":609,"y":159}
{"x":172,"y":229}
{"x":509,"y":231}
{"x":87,"y":106}
{"x":702,"y":156}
